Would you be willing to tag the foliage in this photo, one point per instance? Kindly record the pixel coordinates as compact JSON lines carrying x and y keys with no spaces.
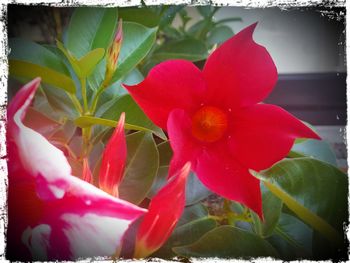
{"x":304,"y":195}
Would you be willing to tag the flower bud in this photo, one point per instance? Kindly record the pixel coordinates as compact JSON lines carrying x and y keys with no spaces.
{"x":113,"y":160}
{"x":164,"y":211}
{"x":113,"y":54}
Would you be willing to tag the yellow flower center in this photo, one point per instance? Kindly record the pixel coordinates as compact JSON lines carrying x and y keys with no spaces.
{"x":209,"y":124}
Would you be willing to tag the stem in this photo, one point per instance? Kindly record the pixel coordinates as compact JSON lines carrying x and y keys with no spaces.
{"x":86,"y":141}
{"x":83,"y":93}
{"x":95,"y":100}
{"x":306,"y":215}
{"x":76,"y":103}
{"x":231,"y":19}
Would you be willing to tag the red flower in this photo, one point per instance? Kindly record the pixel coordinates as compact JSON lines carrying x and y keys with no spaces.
{"x":164,"y":211}
{"x":54,"y":214}
{"x":214,"y":120}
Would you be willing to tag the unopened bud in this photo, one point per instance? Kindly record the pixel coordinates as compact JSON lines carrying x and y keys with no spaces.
{"x":113,"y":53}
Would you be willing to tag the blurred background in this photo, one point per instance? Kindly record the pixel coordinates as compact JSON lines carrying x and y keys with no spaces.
{"x":307,"y":45}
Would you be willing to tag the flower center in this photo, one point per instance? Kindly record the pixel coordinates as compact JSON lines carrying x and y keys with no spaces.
{"x":209,"y":124}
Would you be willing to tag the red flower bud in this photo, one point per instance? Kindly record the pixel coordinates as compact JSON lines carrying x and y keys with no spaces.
{"x":163,"y":213}
{"x":113,"y":160}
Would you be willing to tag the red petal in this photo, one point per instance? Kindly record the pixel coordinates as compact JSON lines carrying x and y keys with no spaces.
{"x":23,"y":97}
{"x":87,"y":175}
{"x":185,"y":147}
{"x":218,"y":171}
{"x":240,"y":72}
{"x":113,"y":160}
{"x":163,"y":213}
{"x":170,"y":85}
{"x":264,"y":134}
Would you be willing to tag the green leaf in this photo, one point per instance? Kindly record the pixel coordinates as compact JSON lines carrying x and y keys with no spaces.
{"x":71,"y":58}
{"x":195,"y":190}
{"x":292,"y":238}
{"x":137,"y":42}
{"x":133,"y":114}
{"x":205,"y":11}
{"x":317,"y":149}
{"x":90,"y":28}
{"x":190,"y":49}
{"x":27,"y":51}
{"x":83,"y":67}
{"x":88,"y":63}
{"x":185,"y":235}
{"x":144,"y":15}
{"x":169,"y":14}
{"x":59,"y":101}
{"x":29,"y":70}
{"x":141,"y":167}
{"x":313,"y":190}
{"x":219,"y":35}
{"x":200,"y":29}
{"x":272,"y":207}
{"x":228,"y":242}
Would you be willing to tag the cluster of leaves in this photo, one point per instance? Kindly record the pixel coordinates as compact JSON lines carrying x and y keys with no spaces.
{"x":183,"y":41}
{"x":304,"y":195}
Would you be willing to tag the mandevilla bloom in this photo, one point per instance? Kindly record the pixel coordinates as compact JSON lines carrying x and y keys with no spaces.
{"x":163,"y":213}
{"x":113,"y":160}
{"x":214,"y":118}
{"x":52,"y":213}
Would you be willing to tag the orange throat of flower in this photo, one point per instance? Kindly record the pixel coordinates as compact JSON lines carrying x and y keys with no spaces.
{"x":209,"y":124}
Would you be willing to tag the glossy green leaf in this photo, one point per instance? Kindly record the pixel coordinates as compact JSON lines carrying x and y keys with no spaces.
{"x":29,"y":70}
{"x":137,"y":42}
{"x":189,"y":49}
{"x":272,"y":207}
{"x":133,"y":114}
{"x":219,"y":35}
{"x":88,"y":62}
{"x":195,"y":190}
{"x":314,"y":190}
{"x":143,"y":15}
{"x":205,"y":11}
{"x":70,"y":57}
{"x":90,"y":28}
{"x":141,"y":167}
{"x":228,"y":242}
{"x":24,"y":50}
{"x":185,"y":235}
{"x":292,"y":238}
{"x":59,"y":101}
{"x":169,"y":14}
{"x":200,"y":29}
{"x":84,"y":66}
{"x":171,"y":32}
{"x":317,"y":149}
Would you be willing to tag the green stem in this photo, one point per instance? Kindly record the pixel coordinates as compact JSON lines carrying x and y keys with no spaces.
{"x":76,"y":103}
{"x":306,"y":215}
{"x":83,"y":93}
{"x":95,"y":100}
{"x":231,"y":19}
{"x":86,"y":141}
